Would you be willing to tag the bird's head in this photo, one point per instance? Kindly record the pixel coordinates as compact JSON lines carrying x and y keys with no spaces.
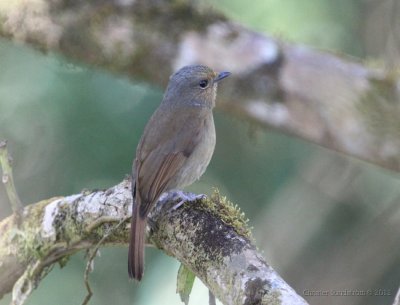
{"x":194,"y":85}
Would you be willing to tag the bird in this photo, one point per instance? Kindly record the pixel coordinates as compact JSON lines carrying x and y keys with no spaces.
{"x":175,"y":148}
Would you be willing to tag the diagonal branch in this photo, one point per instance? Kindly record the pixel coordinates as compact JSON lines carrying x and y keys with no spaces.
{"x":209,"y":236}
{"x":320,"y":97}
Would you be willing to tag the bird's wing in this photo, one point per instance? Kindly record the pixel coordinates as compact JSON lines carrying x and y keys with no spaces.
{"x":157,"y":167}
{"x":150,"y":187}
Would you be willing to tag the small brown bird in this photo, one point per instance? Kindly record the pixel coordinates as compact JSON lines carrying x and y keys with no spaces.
{"x":176,"y":146}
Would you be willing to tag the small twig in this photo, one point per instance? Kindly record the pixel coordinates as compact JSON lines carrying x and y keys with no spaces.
{"x":397,"y":298}
{"x":211,"y":298}
{"x":90,"y":262}
{"x":8,"y":180}
{"x":88,"y":269}
{"x":26,"y":283}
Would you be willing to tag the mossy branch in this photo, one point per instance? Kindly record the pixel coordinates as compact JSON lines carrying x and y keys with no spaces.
{"x":209,"y":236}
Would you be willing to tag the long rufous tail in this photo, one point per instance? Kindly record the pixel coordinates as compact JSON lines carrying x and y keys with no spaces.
{"x":136,"y":245}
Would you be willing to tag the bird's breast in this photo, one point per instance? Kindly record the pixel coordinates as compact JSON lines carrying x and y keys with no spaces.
{"x":197,"y":162}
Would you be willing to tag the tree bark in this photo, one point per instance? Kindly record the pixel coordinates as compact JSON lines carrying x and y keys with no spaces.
{"x":209,"y":236}
{"x":320,"y":97}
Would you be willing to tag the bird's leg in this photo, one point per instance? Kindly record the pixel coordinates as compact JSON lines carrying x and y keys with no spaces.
{"x":184,"y":197}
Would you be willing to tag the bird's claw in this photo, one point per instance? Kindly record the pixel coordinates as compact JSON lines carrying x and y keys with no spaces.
{"x":184,"y":197}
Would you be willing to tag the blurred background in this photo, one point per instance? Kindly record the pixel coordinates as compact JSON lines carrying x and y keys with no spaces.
{"x":323,"y":221}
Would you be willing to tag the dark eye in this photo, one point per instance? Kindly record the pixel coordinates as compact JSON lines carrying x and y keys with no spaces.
{"x":203,"y":83}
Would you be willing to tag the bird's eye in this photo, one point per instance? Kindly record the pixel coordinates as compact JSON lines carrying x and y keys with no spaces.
{"x":203,"y":84}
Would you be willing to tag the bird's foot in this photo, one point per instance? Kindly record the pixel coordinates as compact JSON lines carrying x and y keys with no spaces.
{"x":184,"y":197}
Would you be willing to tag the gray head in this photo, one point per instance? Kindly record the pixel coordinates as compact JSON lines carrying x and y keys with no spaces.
{"x":194,"y":85}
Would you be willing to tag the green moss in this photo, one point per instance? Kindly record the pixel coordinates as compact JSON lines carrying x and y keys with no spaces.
{"x":31,"y":243}
{"x":228,"y":212}
{"x":36,"y":211}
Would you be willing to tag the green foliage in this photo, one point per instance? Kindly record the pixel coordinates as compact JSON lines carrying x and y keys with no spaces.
{"x":184,"y":283}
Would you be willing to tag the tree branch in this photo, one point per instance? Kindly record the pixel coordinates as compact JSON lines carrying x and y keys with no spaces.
{"x":320,"y":97}
{"x":209,"y":236}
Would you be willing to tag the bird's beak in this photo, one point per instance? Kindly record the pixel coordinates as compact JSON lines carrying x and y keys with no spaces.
{"x":221,"y":76}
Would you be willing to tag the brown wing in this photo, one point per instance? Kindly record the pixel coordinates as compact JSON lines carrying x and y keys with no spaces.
{"x":158,"y":163}
{"x":151,"y":188}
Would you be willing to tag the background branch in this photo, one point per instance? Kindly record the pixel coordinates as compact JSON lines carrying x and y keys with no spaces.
{"x":208,"y":236}
{"x":320,"y":97}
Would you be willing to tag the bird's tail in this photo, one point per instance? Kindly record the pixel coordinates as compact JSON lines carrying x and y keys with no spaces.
{"x":136,"y":245}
